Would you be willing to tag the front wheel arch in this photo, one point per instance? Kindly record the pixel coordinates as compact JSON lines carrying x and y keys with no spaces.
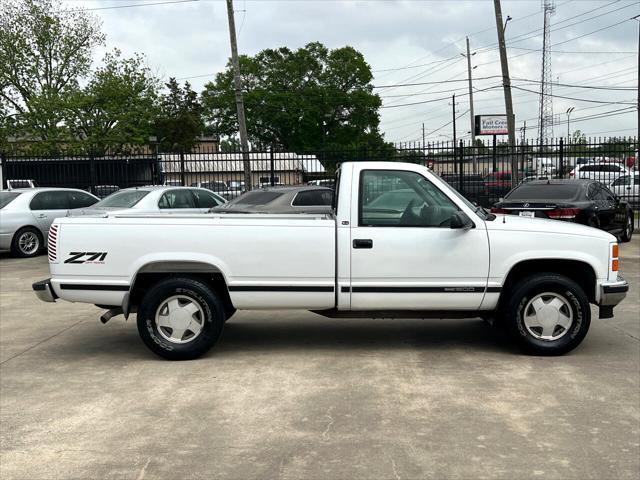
{"x":579,"y":271}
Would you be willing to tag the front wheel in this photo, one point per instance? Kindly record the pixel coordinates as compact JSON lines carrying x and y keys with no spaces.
{"x":547,"y":314}
{"x":180,"y":318}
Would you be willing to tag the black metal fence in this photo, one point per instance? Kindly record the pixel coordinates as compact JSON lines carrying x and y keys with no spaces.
{"x":483,"y":173}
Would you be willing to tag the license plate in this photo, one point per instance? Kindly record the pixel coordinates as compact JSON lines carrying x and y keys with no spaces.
{"x":527,"y":214}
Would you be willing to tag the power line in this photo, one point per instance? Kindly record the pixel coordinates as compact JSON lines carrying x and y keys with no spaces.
{"x":575,"y":99}
{"x":132,"y":5}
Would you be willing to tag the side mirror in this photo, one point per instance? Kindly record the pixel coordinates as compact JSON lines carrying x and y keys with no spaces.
{"x":460,"y":220}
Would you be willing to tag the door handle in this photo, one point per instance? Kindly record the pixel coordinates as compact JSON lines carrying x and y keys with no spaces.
{"x":362,"y":243}
{"x":42,"y":215}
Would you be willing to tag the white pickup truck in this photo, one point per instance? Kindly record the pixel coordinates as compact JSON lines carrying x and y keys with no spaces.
{"x":399,"y":242}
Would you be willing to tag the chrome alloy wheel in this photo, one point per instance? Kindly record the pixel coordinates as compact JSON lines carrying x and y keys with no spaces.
{"x":28,"y":243}
{"x":548,"y":316}
{"x":179,"y":319}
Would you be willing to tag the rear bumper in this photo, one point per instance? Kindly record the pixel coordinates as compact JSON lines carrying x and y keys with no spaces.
{"x":44,"y":291}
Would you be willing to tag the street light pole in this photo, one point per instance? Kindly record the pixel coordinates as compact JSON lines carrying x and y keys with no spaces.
{"x":569,"y":110}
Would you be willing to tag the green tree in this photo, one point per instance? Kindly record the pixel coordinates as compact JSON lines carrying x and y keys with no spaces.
{"x":310,"y":99}
{"x":179,"y":122}
{"x":117,"y":108}
{"x":45,"y":49}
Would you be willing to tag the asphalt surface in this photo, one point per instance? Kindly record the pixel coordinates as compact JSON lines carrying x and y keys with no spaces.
{"x":294,"y":395}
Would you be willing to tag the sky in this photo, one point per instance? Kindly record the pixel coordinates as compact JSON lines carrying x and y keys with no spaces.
{"x":594,"y":54}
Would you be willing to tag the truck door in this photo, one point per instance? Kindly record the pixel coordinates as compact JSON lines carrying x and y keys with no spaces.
{"x":404,"y":255}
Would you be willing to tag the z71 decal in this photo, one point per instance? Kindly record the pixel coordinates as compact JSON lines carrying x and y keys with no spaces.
{"x":86,"y":257}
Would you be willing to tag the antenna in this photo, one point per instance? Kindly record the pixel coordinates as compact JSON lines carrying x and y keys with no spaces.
{"x":545,"y":122}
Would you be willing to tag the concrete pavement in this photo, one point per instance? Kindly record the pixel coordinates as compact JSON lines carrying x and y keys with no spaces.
{"x":295,"y":395}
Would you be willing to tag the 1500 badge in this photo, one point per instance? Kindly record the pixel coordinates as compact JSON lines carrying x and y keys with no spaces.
{"x":86,"y":257}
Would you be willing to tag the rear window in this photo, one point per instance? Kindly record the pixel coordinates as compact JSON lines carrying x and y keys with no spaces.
{"x":310,"y":198}
{"x":6,"y":198}
{"x":258,"y":198}
{"x":544,"y":191}
{"x":123,"y":199}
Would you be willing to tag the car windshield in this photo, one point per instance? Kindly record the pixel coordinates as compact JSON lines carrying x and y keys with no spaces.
{"x":6,"y":198}
{"x":122,"y":199}
{"x":551,"y":191}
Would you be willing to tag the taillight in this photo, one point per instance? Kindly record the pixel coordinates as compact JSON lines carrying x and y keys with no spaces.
{"x":560,"y":213}
{"x":572,"y":174}
{"x":52,"y":244}
{"x":499,"y":210}
{"x":615,"y":262}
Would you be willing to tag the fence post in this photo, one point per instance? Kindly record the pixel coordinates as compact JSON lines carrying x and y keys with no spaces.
{"x":92,"y":172}
{"x":561,"y":158}
{"x":3,"y":171}
{"x":272,"y":167}
{"x":494,"y":154}
{"x":461,"y":165}
{"x":182,"y":175}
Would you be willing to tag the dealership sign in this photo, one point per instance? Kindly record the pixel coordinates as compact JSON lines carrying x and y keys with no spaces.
{"x":491,"y":125}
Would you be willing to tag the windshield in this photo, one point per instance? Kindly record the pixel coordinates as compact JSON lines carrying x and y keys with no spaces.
{"x":122,"y":199}
{"x":551,"y":191}
{"x":6,"y":198}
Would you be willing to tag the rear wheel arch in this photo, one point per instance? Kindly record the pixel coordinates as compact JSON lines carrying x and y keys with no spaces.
{"x":579,"y":271}
{"x":153,"y":273}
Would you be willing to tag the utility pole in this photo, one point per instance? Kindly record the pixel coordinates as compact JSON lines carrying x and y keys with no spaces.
{"x":423,"y":135}
{"x":637,"y":17}
{"x":453,"y":106}
{"x":473,"y":132}
{"x":506,"y":83}
{"x":237,"y":82}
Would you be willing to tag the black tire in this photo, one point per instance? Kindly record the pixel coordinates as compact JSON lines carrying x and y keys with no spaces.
{"x":212,"y":318}
{"x":627,"y":230}
{"x":18,"y":246}
{"x":525,"y":291}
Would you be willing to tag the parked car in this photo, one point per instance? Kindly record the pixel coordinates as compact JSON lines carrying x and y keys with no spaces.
{"x":605,"y":172}
{"x":154,"y":198}
{"x":323,"y":182}
{"x":235,"y":188}
{"x":18,"y":183}
{"x":218,"y":187}
{"x":105,"y":190}
{"x":26,"y":215}
{"x":305,"y":199}
{"x":438,"y":257}
{"x":498,"y":183}
{"x":473,"y":185}
{"x":627,"y":187}
{"x":580,"y":201}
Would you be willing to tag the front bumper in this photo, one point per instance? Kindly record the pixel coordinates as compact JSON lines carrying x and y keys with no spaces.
{"x":44,"y":291}
{"x":611,"y":294}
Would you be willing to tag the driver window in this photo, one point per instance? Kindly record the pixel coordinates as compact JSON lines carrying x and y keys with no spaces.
{"x":390,"y":198}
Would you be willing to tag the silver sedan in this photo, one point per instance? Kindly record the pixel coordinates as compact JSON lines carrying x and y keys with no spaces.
{"x":26,"y":215}
{"x":155,"y":199}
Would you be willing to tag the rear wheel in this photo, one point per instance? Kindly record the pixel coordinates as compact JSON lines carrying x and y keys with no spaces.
{"x":27,"y":242}
{"x":180,"y":318}
{"x":547,"y":314}
{"x":627,"y":230}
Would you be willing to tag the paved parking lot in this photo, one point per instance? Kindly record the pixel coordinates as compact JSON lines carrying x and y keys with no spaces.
{"x":295,"y":395}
